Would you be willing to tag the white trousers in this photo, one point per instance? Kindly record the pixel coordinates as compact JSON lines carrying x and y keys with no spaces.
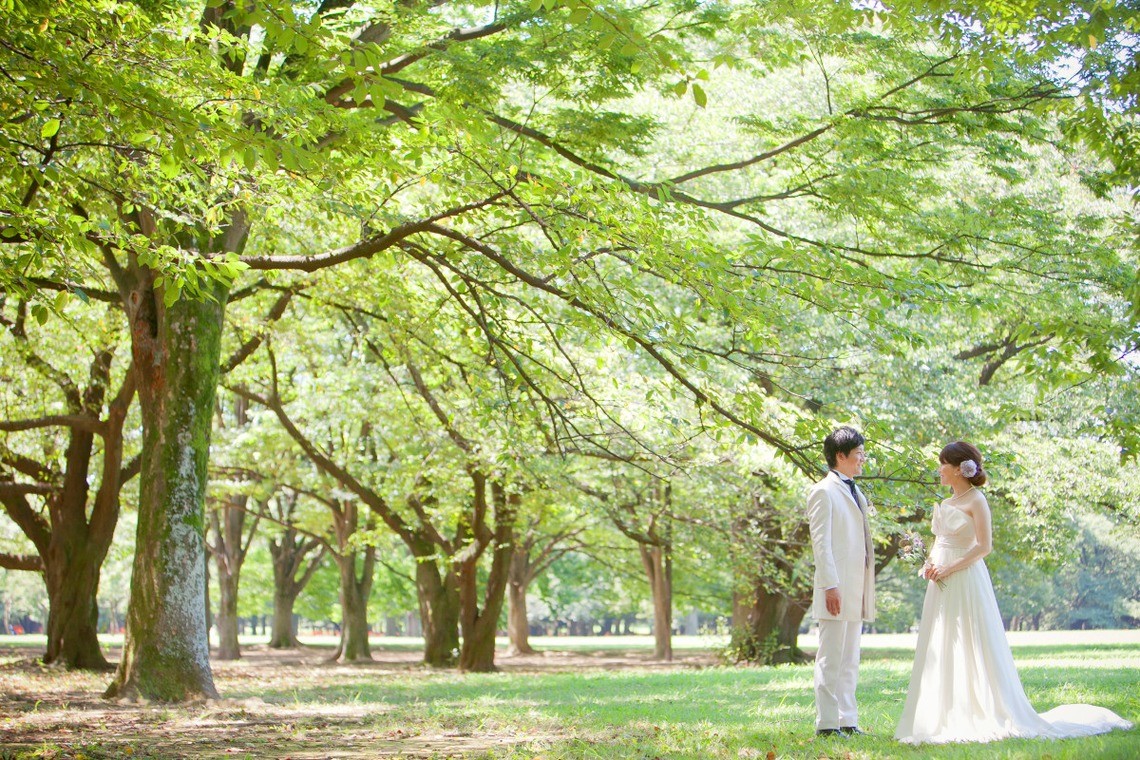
{"x":836,"y":673}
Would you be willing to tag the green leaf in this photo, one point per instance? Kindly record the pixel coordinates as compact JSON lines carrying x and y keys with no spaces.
{"x":49,"y":129}
{"x":169,"y":166}
{"x":699,"y":95}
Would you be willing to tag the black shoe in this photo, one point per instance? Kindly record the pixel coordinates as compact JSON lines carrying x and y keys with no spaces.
{"x":829,"y":732}
{"x":852,"y":731}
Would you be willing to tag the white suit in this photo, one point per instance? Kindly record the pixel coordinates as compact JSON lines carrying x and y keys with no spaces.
{"x":844,"y":560}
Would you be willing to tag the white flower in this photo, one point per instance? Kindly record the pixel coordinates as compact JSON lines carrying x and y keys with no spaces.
{"x":969,"y":468}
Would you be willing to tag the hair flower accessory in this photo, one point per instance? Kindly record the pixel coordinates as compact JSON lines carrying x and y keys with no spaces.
{"x":968,"y":468}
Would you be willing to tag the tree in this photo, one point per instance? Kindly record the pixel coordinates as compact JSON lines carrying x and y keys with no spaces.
{"x":296,"y":557}
{"x":447,"y":558}
{"x":356,"y":565}
{"x":231,"y":543}
{"x":80,"y":428}
{"x":538,"y":545}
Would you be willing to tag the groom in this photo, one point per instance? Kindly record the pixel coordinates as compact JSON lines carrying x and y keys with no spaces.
{"x":844,"y":594}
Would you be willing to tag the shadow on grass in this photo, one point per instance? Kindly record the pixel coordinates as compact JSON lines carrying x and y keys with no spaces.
{"x":311,"y":710}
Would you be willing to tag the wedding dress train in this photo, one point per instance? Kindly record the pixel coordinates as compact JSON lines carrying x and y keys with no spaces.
{"x":964,"y":686}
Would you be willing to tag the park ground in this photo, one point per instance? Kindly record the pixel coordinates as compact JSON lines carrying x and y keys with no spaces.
{"x":577,"y":698}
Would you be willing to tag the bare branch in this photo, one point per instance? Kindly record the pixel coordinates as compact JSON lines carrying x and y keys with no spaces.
{"x":31,"y":562}
{"x":74,"y":421}
{"x":246,"y":349}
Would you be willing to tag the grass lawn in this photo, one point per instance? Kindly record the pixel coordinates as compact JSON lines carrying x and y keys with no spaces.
{"x":589,"y":700}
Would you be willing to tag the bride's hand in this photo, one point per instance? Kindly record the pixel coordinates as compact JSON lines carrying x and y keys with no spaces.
{"x":938,"y":574}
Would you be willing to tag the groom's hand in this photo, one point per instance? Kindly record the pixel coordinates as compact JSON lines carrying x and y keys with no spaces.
{"x":831,"y":600}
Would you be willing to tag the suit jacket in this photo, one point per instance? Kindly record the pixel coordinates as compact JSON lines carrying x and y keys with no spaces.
{"x":841,"y":542}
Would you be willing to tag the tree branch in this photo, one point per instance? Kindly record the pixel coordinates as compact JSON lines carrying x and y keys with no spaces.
{"x":246,"y":349}
{"x":81,"y":422}
{"x":30,"y":562}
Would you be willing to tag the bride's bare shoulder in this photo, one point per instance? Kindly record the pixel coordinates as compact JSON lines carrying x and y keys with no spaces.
{"x":976,"y":502}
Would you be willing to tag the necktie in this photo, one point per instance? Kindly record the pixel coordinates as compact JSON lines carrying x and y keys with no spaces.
{"x":866,"y":536}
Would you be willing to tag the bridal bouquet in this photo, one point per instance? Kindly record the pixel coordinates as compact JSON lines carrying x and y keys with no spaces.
{"x":912,"y":551}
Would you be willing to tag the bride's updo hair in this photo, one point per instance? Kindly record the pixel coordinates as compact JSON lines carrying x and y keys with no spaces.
{"x":958,"y":452}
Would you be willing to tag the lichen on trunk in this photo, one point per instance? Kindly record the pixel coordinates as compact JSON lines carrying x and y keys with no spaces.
{"x":176,"y":350}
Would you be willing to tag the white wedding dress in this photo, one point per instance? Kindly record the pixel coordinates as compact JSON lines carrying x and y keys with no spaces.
{"x":964,"y":686}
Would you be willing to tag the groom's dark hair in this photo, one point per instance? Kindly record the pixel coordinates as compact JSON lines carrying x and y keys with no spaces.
{"x":843,"y":440}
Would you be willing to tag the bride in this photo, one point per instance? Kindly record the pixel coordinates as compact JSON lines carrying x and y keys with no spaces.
{"x":964,"y":686}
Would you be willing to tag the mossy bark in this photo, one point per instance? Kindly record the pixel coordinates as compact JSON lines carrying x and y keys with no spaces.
{"x":166,"y":655}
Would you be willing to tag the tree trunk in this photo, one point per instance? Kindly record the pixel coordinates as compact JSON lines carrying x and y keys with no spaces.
{"x":283,"y":634}
{"x":758,"y":613}
{"x":657,"y":569}
{"x":73,"y":610}
{"x":292,"y":571}
{"x":166,"y":655}
{"x":479,"y":627}
{"x":768,"y":624}
{"x":518,"y":626}
{"x":73,"y":562}
{"x":229,"y":550}
{"x":227,"y":617}
{"x":439,"y":613}
{"x":477,"y":652}
{"x":354,"y":593}
{"x":788,"y":635}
